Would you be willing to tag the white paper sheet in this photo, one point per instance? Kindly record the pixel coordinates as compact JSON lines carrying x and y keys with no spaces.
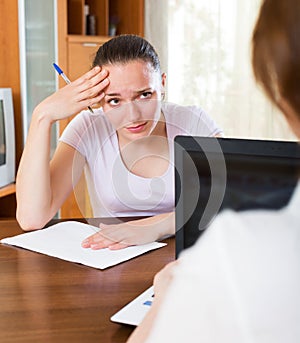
{"x":63,"y":240}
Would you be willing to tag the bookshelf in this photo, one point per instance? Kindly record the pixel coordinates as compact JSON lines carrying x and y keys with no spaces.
{"x":123,"y":16}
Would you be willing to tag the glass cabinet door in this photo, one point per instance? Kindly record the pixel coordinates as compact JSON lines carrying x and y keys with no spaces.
{"x":38,"y":50}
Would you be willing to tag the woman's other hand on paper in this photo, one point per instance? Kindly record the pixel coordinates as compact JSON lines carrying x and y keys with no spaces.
{"x":136,"y":232}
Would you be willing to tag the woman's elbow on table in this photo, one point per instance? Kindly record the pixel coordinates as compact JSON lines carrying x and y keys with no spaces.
{"x":30,"y":222}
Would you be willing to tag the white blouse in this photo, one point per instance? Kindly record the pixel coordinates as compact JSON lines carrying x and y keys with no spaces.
{"x":113,"y":189}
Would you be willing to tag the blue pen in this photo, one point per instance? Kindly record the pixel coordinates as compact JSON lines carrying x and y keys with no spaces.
{"x":67,"y":81}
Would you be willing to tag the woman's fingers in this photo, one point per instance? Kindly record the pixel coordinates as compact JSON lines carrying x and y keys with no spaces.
{"x":115,"y":233}
{"x":92,"y":78}
{"x":112,"y":237}
{"x":118,"y":246}
{"x":92,"y":100}
{"x":85,"y":78}
{"x":98,"y":241}
{"x":90,"y":92}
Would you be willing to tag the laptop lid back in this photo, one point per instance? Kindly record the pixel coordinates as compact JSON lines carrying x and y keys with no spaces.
{"x":212,"y":174}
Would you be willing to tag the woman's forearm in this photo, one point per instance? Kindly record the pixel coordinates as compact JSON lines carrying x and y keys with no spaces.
{"x":165,"y":224}
{"x":33,"y":188}
{"x":41,"y":187}
{"x":156,"y":227}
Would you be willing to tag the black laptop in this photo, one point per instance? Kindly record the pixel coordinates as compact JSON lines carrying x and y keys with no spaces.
{"x":212,"y":174}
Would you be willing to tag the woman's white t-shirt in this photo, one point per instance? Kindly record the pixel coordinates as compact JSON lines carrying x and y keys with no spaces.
{"x":113,"y":189}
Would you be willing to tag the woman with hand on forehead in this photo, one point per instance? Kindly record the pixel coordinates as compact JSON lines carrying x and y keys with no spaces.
{"x":125,"y":147}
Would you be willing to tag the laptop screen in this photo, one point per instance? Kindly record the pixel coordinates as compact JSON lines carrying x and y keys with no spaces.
{"x":212,"y":174}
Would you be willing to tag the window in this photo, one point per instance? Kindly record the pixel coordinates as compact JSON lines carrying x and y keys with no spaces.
{"x":208,"y":63}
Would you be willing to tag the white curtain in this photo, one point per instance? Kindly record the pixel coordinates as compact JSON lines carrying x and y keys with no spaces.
{"x":205,"y":49}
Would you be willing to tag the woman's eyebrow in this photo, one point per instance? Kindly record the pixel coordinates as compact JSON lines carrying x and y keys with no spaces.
{"x":112,"y":94}
{"x":137,"y":92}
{"x":144,"y":90}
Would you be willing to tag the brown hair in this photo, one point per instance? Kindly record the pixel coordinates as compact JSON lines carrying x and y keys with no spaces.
{"x":276,"y":51}
{"x":127,"y":48}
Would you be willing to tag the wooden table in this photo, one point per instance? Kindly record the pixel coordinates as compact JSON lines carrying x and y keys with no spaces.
{"x":45,"y":299}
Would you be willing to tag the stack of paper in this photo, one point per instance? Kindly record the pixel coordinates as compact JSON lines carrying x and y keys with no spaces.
{"x":63,"y":240}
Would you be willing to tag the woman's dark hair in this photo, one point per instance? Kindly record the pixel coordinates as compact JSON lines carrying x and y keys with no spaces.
{"x":276,"y":51}
{"x":126,"y":48}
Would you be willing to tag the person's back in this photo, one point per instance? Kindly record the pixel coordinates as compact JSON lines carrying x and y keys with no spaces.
{"x":240,"y":282}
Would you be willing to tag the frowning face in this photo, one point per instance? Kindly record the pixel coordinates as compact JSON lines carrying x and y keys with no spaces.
{"x":132,"y":101}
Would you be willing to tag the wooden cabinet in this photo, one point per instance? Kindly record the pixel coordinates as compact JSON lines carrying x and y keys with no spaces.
{"x":8,"y":201}
{"x":81,"y":53}
{"x":76,"y":51}
{"x":126,"y":16}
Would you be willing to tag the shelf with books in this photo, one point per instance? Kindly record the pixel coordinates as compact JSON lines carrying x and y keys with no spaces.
{"x":105,"y":17}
